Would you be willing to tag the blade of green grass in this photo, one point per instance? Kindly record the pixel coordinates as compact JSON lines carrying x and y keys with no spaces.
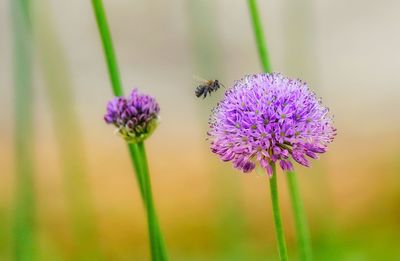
{"x":24,"y":231}
{"x":58,"y":87}
{"x":206,"y":50}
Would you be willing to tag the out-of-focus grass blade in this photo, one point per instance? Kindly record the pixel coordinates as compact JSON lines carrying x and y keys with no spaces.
{"x":24,"y":247}
{"x":204,"y":37}
{"x":205,"y":45}
{"x":300,"y":40}
{"x":58,"y":87}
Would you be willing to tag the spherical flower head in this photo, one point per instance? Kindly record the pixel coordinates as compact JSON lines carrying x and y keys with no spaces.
{"x":135,"y":117}
{"x":266,"y":119}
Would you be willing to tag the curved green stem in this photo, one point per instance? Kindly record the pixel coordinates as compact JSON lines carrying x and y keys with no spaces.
{"x":280,"y":235}
{"x":108,"y":47}
{"x":300,"y":220}
{"x":259,"y":34}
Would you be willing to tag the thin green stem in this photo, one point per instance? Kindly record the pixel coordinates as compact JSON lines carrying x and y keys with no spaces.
{"x":280,"y":235}
{"x":139,"y":160}
{"x":114,"y":76}
{"x":299,"y":216}
{"x":137,"y":151}
{"x":24,"y":230}
{"x":154,"y":227}
{"x":259,"y":34}
{"x":136,"y":160}
{"x":264,"y":58}
{"x":300,"y":219}
{"x":108,"y":47}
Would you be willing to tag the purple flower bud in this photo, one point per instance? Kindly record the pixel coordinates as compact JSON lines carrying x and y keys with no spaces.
{"x":268,"y":118}
{"x":135,"y":117}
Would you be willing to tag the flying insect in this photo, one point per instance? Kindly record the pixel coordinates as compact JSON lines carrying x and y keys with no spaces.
{"x":207,"y":87}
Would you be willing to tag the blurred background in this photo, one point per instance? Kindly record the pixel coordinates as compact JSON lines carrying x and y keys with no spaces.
{"x":87,"y":203}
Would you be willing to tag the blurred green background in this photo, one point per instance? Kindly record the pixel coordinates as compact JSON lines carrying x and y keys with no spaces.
{"x":85,"y":191}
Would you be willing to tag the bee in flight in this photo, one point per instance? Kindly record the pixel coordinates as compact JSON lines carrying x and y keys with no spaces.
{"x":207,"y":87}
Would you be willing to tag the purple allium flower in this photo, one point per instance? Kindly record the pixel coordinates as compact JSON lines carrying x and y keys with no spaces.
{"x":268,"y":118}
{"x":135,"y":117}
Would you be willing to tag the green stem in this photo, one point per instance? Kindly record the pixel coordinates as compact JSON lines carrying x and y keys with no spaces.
{"x":135,"y":158}
{"x":280,"y":235}
{"x":151,"y":212}
{"x":264,"y":57}
{"x":139,"y":160}
{"x":259,"y":34}
{"x":108,"y":47}
{"x":299,"y":216}
{"x":300,"y":220}
{"x":24,"y":230}
{"x":137,"y":151}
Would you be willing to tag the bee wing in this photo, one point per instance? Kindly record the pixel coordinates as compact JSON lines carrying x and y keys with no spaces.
{"x":200,"y":80}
